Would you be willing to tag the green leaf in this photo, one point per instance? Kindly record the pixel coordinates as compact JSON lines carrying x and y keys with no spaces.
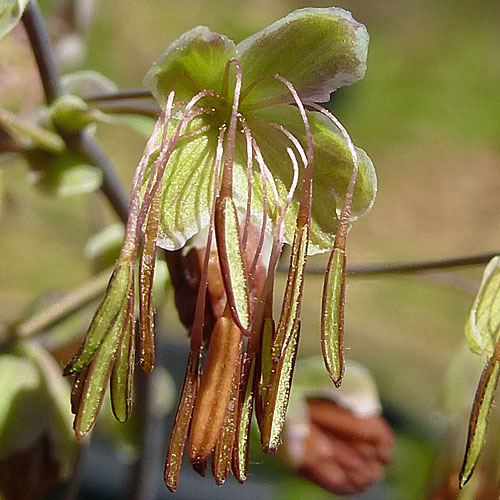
{"x":317,"y":50}
{"x":71,"y":113}
{"x":479,"y":418}
{"x":58,"y":390}
{"x":23,"y":397}
{"x":483,"y":322}
{"x":199,"y":53}
{"x":30,"y":134}
{"x":231,"y":261}
{"x":332,"y":171}
{"x":103,"y":247}
{"x":10,"y":14}
{"x":332,"y":317}
{"x":63,"y":175}
{"x":358,"y":392}
{"x":108,"y":317}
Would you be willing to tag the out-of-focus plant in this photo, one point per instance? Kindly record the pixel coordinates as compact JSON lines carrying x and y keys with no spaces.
{"x":336,"y":438}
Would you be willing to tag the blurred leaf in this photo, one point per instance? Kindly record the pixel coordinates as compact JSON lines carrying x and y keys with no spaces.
{"x":358,"y":392}
{"x":104,"y":246}
{"x":86,"y":83}
{"x":23,"y":403}
{"x":483,"y":322}
{"x":10,"y":14}
{"x":29,"y":134}
{"x":72,"y":113}
{"x":63,"y":175}
{"x":58,"y":389}
{"x":143,"y":125}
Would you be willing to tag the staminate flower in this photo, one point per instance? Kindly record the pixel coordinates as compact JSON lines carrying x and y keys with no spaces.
{"x":242,"y":161}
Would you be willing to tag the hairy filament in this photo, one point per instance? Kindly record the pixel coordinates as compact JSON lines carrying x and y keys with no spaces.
{"x":199,"y":315}
{"x":347,"y":204}
{"x":227,"y":176}
{"x":246,"y":226}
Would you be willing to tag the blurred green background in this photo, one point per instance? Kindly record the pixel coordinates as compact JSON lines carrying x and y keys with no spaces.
{"x":427,"y":112}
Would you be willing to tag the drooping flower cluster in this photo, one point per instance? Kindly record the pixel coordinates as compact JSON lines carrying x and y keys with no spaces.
{"x":242,"y":160}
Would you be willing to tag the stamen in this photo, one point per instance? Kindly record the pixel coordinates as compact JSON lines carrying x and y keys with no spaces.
{"x":199,"y":315}
{"x":191,"y":381}
{"x":347,"y":205}
{"x":246,"y":226}
{"x":129,"y":247}
{"x":332,"y":310}
{"x":227,"y":176}
{"x":294,"y":140}
{"x":162,"y":160}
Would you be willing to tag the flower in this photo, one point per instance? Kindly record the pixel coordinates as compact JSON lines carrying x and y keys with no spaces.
{"x":242,"y":160}
{"x":336,"y":438}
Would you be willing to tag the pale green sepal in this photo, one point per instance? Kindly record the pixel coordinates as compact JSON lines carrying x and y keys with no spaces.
{"x":332,"y":317}
{"x":97,"y":377}
{"x":483,"y":321}
{"x":86,"y":83}
{"x":10,"y":14}
{"x":332,"y":171}
{"x":317,"y":50}
{"x":108,"y":314}
{"x":187,"y":188}
{"x":479,"y":419}
{"x":29,"y":134}
{"x":72,"y":113}
{"x":199,"y":53}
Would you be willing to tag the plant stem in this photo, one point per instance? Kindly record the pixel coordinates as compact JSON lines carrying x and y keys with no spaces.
{"x":72,"y":302}
{"x":71,"y":492}
{"x":147,"y":469}
{"x":413,"y":267}
{"x":119,"y":95}
{"x":79,"y":142}
{"x":124,"y":106}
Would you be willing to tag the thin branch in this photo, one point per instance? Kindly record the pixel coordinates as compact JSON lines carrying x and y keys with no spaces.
{"x":123,"y":106}
{"x":79,"y":142}
{"x":413,"y":267}
{"x":71,"y":492}
{"x":71,"y":303}
{"x":119,"y":95}
{"x":40,"y":44}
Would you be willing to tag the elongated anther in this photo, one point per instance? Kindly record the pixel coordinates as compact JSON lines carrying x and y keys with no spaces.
{"x":212,"y":401}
